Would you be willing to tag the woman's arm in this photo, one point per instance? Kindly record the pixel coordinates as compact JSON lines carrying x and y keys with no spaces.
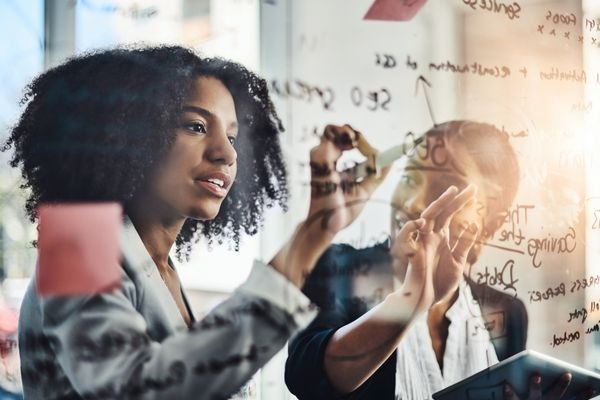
{"x":102,"y":349}
{"x":358,"y":349}
{"x":336,"y":200}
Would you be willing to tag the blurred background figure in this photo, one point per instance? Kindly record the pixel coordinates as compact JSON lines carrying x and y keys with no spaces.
{"x":10,"y":376}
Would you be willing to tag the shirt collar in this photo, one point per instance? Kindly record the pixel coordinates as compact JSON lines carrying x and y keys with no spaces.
{"x":465,"y":305}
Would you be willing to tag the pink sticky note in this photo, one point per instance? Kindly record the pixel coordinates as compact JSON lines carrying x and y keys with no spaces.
{"x":394,"y":10}
{"x":9,"y":321}
{"x":78,"y":248}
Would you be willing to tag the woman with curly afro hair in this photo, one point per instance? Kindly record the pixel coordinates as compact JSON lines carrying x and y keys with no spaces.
{"x":189,"y":147}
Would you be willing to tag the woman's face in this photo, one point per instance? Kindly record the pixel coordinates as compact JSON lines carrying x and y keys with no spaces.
{"x":200,"y":167}
{"x":434,"y":167}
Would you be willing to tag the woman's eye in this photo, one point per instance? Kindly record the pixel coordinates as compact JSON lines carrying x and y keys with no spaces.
{"x":400,"y":220}
{"x":407,"y":180}
{"x":232,"y":139}
{"x":197,"y":127}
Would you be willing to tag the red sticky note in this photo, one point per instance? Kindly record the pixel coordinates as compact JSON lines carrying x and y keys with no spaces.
{"x":394,"y":10}
{"x":78,"y":249}
{"x":9,"y":321}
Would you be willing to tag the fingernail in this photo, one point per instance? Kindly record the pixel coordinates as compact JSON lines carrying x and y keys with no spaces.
{"x":537,"y":379}
{"x":566,"y":377}
{"x":452,"y":189}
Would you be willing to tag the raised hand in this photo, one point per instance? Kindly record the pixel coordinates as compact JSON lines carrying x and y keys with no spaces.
{"x":436,"y":261}
{"x":336,"y":198}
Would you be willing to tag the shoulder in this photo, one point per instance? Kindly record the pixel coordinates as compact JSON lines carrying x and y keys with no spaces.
{"x":333,"y":282}
{"x":488,"y":297}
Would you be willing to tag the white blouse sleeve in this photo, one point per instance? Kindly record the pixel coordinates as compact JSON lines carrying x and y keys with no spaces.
{"x":102,"y":347}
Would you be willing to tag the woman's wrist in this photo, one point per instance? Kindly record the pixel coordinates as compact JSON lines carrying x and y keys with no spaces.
{"x":403,"y":307}
{"x":414,"y":297}
{"x":297,"y":258}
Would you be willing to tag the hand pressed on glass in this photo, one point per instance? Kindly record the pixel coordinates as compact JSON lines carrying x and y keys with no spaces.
{"x":435,"y":257}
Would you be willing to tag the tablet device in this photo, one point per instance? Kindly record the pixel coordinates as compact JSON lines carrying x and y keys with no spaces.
{"x":517,"y":370}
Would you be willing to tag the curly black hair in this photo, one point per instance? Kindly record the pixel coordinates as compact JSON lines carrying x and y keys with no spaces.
{"x":94,"y":127}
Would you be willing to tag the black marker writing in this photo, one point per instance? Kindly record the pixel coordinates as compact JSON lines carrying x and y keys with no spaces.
{"x":373,"y":100}
{"x":550,"y":293}
{"x":410,"y":63}
{"x":475,"y":68}
{"x":519,"y":214}
{"x":511,"y":10}
{"x":571,"y":75}
{"x":565,"y":338}
{"x":596,"y":223}
{"x":303,"y":91}
{"x":594,"y":328}
{"x":577,"y":314}
{"x":551,"y":244}
{"x":582,"y":284}
{"x":565,"y":19}
{"x":134,"y":11}
{"x":513,"y":234}
{"x":385,"y":60}
{"x":560,"y":290}
{"x":503,"y":277}
{"x":592,"y":24}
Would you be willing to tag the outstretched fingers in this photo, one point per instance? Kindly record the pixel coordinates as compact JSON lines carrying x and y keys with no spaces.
{"x":443,"y":219}
{"x":436,"y":207}
{"x":463,"y":245}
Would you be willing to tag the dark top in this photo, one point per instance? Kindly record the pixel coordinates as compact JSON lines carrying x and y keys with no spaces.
{"x":345,"y":284}
{"x":6,"y":395}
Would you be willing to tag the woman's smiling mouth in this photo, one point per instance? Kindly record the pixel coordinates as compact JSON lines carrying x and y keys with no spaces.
{"x":217,"y":183}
